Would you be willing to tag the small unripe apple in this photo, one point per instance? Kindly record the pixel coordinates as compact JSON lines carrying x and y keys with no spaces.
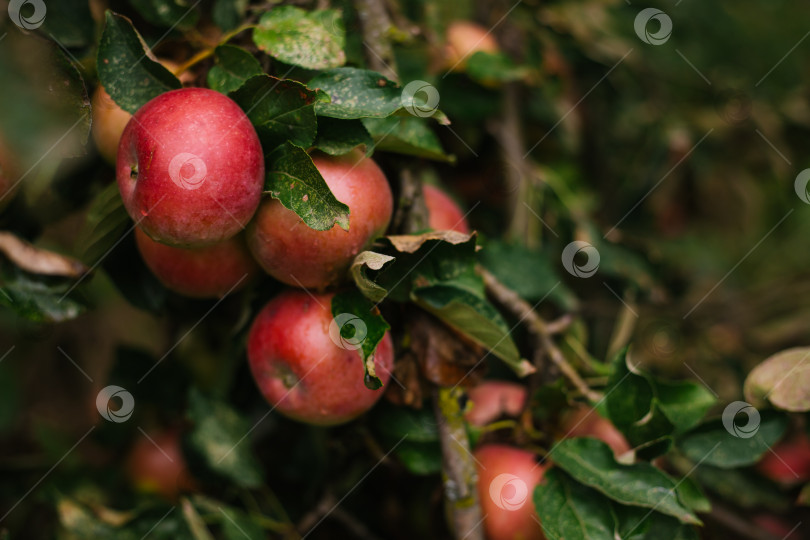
{"x":493,"y":399}
{"x":109,"y":120}
{"x":507,"y":477}
{"x":788,"y":462}
{"x":190,"y":168}
{"x":158,"y":466}
{"x":443,"y":212}
{"x":587,"y":422}
{"x":203,"y":272}
{"x":300,"y":256}
{"x":463,"y":39}
{"x":304,"y":366}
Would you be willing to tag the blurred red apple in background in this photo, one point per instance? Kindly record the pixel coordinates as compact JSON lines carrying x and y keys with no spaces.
{"x":156,"y":465}
{"x":443,"y":212}
{"x":493,"y":399}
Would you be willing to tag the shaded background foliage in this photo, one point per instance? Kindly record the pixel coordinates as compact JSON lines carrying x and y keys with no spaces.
{"x":676,"y":161}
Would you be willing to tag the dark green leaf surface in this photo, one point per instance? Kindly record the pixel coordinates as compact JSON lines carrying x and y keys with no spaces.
{"x":591,"y":462}
{"x":359,"y":326}
{"x":407,"y":135}
{"x":731,"y":450}
{"x":130,"y":77}
{"x":180,"y":14}
{"x":38,"y":298}
{"x":569,"y":510}
{"x":218,"y":430}
{"x":294,"y":180}
{"x":312,"y":40}
{"x":234,"y":66}
{"x":280,"y":109}
{"x":356,"y":93}
{"x":338,"y":137}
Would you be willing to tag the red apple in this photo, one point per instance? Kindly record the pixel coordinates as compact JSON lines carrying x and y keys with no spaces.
{"x":587,"y":422}
{"x":507,"y":477}
{"x":109,"y":120}
{"x":788,"y":462}
{"x":463,"y":39}
{"x":158,"y":466}
{"x":297,"y":255}
{"x":493,"y":399}
{"x":443,"y":213}
{"x":190,"y":167}
{"x":203,"y":272}
{"x":304,"y":368}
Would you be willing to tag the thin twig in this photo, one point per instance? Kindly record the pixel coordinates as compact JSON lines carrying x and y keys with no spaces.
{"x":458,"y":466}
{"x":376,"y":26}
{"x":522,"y":309}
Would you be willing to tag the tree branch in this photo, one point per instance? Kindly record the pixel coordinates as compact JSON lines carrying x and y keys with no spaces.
{"x":537,"y":326}
{"x":376,"y":25}
{"x":458,"y":466}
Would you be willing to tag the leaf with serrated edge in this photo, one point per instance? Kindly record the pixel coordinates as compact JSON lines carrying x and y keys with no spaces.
{"x":783,"y":379}
{"x":373,"y":261}
{"x":591,"y":461}
{"x":313,"y":40}
{"x":126,"y":68}
{"x":569,"y":510}
{"x":234,"y":66}
{"x":280,"y":109}
{"x":406,"y":135}
{"x":357,"y":306}
{"x":356,"y":93}
{"x":337,"y":137}
{"x":293,"y":179}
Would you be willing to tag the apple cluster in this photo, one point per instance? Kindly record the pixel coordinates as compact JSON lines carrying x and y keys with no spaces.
{"x":190,"y":169}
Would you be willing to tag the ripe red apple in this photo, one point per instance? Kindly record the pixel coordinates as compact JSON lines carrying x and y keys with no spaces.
{"x":297,"y":255}
{"x":788,"y":462}
{"x":463,"y":39}
{"x":190,"y":167}
{"x":587,"y":422}
{"x":203,"y":272}
{"x":493,"y":399}
{"x":443,"y":212}
{"x":304,"y":368}
{"x":109,"y":120}
{"x":507,"y":477}
{"x":158,"y":466}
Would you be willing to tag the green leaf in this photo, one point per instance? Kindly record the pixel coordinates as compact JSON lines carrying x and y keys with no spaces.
{"x":636,"y":523}
{"x":569,"y":510}
{"x":128,"y":75}
{"x":71,"y":95}
{"x":237,"y":525}
{"x":293,"y":179}
{"x":783,"y":379}
{"x":407,"y":135}
{"x":218,"y":437}
{"x":234,"y":66}
{"x":476,"y":318}
{"x":371,"y":261}
{"x":420,"y":458}
{"x":38,"y":298}
{"x":227,"y":14}
{"x":690,"y":494}
{"x":106,"y":222}
{"x":180,"y":14}
{"x":280,"y":109}
{"x":195,"y":523}
{"x":394,"y":423}
{"x":730,"y":450}
{"x":591,"y":462}
{"x":741,"y":488}
{"x":312,"y":40}
{"x":338,"y":137}
{"x":684,"y":403}
{"x":356,"y":93}
{"x":359,"y":326}
{"x":488,"y":68}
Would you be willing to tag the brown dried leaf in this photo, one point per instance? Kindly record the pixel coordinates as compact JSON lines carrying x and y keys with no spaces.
{"x":38,"y":261}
